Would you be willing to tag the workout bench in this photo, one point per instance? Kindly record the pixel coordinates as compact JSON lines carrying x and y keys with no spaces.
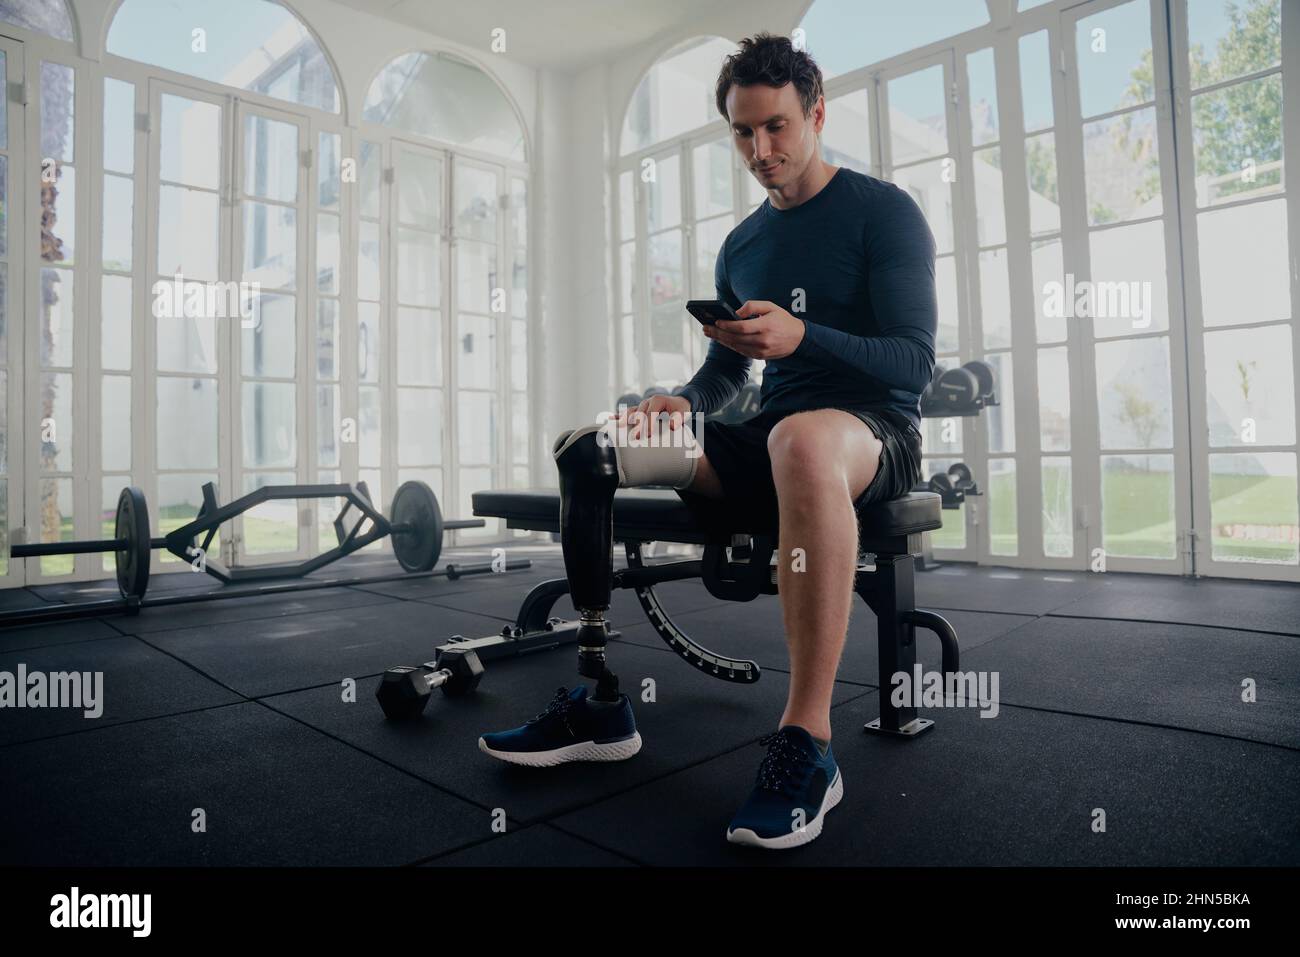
{"x":736,"y":566}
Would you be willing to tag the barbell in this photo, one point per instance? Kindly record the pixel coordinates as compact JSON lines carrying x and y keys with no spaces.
{"x":416,"y":529}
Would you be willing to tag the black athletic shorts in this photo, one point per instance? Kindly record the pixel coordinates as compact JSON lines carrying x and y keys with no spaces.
{"x":738,"y":453}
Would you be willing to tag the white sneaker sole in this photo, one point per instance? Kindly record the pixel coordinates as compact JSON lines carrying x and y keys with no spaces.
{"x":583,"y":751}
{"x":809,"y":832}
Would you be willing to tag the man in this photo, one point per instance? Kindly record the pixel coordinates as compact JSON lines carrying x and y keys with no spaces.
{"x":833,"y":281}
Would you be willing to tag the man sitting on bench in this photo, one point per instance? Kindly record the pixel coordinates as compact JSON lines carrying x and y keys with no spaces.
{"x":833,"y":278}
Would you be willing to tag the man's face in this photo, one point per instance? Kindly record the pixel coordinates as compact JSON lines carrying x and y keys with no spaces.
{"x":771,"y":132}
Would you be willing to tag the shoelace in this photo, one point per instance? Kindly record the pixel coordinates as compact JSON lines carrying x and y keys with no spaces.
{"x":559,"y":707}
{"x":785,"y":766}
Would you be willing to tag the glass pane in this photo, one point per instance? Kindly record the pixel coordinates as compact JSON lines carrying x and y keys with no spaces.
{"x":1253,"y":515}
{"x":1237,"y":141}
{"x":982,"y":78}
{"x":1230,"y":39}
{"x":990,"y":205}
{"x":627,"y":277}
{"x":519,"y":354}
{"x":942,"y":436}
{"x":368,"y":262}
{"x":945,"y":282}
{"x":327,"y":427}
{"x":4,"y":199}
{"x":1114,"y":56}
{"x":1058,"y":509}
{"x":519,"y":407}
{"x":1122,"y":168}
{"x":933,"y":193}
{"x":1244,"y":281}
{"x":328,"y":253}
{"x":1049,"y":290}
{"x":369,"y":176}
{"x":1040,"y":167}
{"x":60,"y":245}
{"x":369,"y":452}
{"x":419,"y":189}
{"x":187,"y":345}
{"x":119,"y":126}
{"x":4,"y":440}
{"x":269,"y":424}
{"x":1137,"y":506}
{"x":4,"y":308}
{"x":1133,"y":394}
{"x":846,"y":137}
{"x":918,"y":119}
{"x":56,"y":317}
{"x":115,"y":419}
{"x":519,"y":287}
{"x":418,"y":274}
{"x":249,"y":44}
{"x":57,"y":97}
{"x":1002,"y":417}
{"x":186,"y":424}
{"x":55,"y":422}
{"x":1036,"y":82}
{"x":1129,"y":290}
{"x":1054,"y":399}
{"x":476,"y":203}
{"x":445,"y":98}
{"x":119,"y":200}
{"x":995,"y":298}
{"x":419,"y":347}
{"x":328,"y":171}
{"x":519,"y":209}
{"x":4,"y":144}
{"x":116,"y":323}
{"x":269,"y":347}
{"x":179,"y":500}
{"x":419,"y":426}
{"x":188,"y":224}
{"x":626,"y":209}
{"x":327,"y":339}
{"x":664,"y":194}
{"x":1250,"y":387}
{"x":666,"y":295}
{"x":709,"y":237}
{"x":476,"y":352}
{"x":1003,"y":538}
{"x":56,"y":523}
{"x":271,"y":160}
{"x":477,"y":428}
{"x":368,"y":342}
{"x":269,"y":527}
{"x":270,"y":245}
{"x":713,"y":178}
{"x":676,"y":94}
{"x":476,"y":267}
{"x":191,"y":142}
{"x":4,"y":507}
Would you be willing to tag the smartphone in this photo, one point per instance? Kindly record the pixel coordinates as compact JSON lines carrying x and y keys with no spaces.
{"x":709,"y":311}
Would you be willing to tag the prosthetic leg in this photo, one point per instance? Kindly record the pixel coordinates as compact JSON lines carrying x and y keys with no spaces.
{"x":594,"y":463}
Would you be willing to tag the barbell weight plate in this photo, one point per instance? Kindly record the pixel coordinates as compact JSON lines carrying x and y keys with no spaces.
{"x":132,"y":526}
{"x":415,"y":506}
{"x":983,"y":373}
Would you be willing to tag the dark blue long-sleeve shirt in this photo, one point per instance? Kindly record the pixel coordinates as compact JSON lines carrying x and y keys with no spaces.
{"x":862,"y":256}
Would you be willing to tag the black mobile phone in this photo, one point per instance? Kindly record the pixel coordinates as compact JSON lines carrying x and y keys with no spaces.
{"x":709,"y":311}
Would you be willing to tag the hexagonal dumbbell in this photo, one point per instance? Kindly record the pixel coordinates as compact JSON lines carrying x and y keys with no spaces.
{"x":404,"y":691}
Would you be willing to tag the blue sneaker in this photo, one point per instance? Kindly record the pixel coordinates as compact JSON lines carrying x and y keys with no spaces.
{"x":796,"y":786}
{"x":570,"y":729}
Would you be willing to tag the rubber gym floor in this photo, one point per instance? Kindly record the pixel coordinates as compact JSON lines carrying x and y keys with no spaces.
{"x":1122,"y":693}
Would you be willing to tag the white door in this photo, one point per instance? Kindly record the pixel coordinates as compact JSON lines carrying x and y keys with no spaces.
{"x":12,"y":249}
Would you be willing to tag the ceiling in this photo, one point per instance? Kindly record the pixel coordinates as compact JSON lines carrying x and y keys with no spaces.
{"x":563,"y":35}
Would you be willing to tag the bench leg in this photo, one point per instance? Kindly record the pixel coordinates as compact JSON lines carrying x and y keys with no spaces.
{"x":890,"y":592}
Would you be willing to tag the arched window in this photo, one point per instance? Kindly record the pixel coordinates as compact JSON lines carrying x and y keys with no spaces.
{"x":50,"y":17}
{"x":253,"y":45}
{"x":843,"y":35}
{"x":676,"y":94}
{"x":447,"y":99}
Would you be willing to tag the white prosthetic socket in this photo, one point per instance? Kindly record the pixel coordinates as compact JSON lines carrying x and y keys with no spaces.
{"x":670,"y":459}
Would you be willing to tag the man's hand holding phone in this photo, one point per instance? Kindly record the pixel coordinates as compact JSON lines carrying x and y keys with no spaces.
{"x":760,"y":329}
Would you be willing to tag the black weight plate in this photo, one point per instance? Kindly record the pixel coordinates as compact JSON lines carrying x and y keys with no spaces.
{"x":417,"y":550}
{"x":957,"y":387}
{"x":960,"y":474}
{"x":132,"y":525}
{"x":983,"y":373}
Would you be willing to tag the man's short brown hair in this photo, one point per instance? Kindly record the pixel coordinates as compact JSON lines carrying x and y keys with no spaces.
{"x":772,"y":61}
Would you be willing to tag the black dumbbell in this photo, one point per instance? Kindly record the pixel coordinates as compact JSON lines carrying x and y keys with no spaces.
{"x":959,"y":474}
{"x":957,"y":388}
{"x":984,"y":376}
{"x":404,"y":691}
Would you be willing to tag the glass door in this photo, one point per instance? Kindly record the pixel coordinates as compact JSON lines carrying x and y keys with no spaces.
{"x":12,"y":442}
{"x":917,"y":132}
{"x":270,"y":389}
